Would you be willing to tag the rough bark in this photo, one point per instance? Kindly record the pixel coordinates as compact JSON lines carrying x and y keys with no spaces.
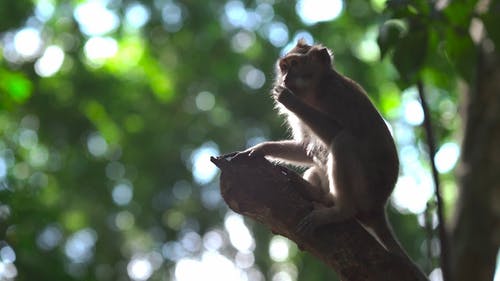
{"x":270,"y":194}
{"x":476,"y":231}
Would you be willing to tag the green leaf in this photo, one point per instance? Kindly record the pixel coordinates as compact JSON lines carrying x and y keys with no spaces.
{"x":459,"y":13}
{"x":14,"y":13}
{"x":98,"y":115}
{"x":389,"y":35}
{"x":461,"y":52}
{"x":17,"y":86}
{"x":410,"y":54}
{"x":408,"y":8}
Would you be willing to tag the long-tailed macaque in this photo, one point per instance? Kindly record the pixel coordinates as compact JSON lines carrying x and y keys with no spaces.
{"x":339,"y":134}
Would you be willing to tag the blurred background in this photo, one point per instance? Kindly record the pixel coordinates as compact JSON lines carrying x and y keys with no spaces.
{"x":110,"y":110}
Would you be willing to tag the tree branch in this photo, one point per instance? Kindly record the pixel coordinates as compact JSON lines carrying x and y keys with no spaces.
{"x":271,"y":194}
{"x":443,"y":236}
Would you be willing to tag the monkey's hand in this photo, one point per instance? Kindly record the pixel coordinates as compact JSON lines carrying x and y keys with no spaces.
{"x":317,"y":217}
{"x":284,"y":96}
{"x":250,"y":152}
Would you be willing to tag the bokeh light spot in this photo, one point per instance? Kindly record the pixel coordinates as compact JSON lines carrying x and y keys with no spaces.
{"x":413,"y":112}
{"x":412,"y":196}
{"x":28,"y":138}
{"x":279,"y":249}
{"x":8,"y":271}
{"x":244,"y":260}
{"x":239,"y":234}
{"x":213,"y":240}
{"x":368,"y":49}
{"x":137,"y":15}
{"x":313,"y":11}
{"x":253,"y":77}
{"x":278,"y":34}
{"x":122,"y":194}
{"x":95,"y":19}
{"x":79,"y":247}
{"x":172,"y":16}
{"x":235,"y":13}
{"x":191,"y":241}
{"x":39,"y":156}
{"x":212,"y":266}
{"x":447,"y":156}
{"x":27,"y":42}
{"x":242,"y":40}
{"x":97,"y":145}
{"x":3,"y":168}
{"x":50,"y":62}
{"x":139,"y":269}
{"x":49,"y":237}
{"x":124,"y":220}
{"x":99,"y":48}
{"x":265,"y":11}
{"x":7,"y":254}
{"x":205,"y":101}
{"x":44,"y":9}
{"x":203,"y":170}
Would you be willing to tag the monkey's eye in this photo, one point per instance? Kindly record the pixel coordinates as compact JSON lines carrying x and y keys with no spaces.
{"x":287,"y":63}
{"x":283,"y":66}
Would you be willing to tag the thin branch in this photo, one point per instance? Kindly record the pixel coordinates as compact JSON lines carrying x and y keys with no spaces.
{"x":443,"y":237}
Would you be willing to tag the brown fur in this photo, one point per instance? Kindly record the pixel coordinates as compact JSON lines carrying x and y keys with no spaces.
{"x":339,"y":134}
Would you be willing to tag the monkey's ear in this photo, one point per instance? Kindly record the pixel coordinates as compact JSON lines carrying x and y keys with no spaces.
{"x":301,"y":43}
{"x":323,"y":56}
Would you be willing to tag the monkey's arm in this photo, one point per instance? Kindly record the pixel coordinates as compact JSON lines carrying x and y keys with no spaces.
{"x":322,"y":125}
{"x":290,"y":151}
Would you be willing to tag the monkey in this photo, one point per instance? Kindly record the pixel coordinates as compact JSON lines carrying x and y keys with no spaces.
{"x":339,"y":135}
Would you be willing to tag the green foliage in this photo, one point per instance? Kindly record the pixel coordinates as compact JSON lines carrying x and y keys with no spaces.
{"x":430,"y":30}
{"x":408,"y":58}
{"x":98,"y":159}
{"x":13,"y":13}
{"x":390,"y":33}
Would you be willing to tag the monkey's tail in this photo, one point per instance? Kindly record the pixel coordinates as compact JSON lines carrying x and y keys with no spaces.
{"x":378,"y":226}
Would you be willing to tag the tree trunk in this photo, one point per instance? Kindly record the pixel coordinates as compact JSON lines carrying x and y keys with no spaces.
{"x":476,"y":231}
{"x":271,"y":194}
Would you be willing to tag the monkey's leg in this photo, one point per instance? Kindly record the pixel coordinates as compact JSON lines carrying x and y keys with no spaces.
{"x":321,"y":124}
{"x":314,"y":188}
{"x":348,"y":186}
{"x":319,"y":185}
{"x":293,"y":152}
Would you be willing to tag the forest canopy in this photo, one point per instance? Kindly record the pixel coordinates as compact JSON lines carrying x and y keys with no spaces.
{"x":111,"y":109}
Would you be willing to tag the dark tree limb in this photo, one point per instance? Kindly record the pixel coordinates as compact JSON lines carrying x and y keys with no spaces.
{"x":271,"y":195}
{"x":474,"y":233}
{"x":431,"y":145}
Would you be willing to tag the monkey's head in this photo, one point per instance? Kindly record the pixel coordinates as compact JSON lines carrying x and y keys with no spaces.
{"x":301,"y":69}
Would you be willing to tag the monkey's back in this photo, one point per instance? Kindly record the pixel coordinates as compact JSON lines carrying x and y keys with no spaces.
{"x":375,"y":142}
{"x":347,"y":103}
